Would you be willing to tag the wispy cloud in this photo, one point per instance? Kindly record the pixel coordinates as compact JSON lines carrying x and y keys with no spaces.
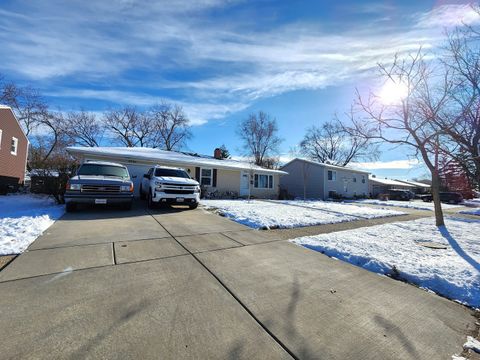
{"x":108,"y":43}
{"x":198,"y":112}
{"x":449,"y":15}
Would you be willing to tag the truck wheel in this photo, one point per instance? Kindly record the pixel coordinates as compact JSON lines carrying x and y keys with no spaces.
{"x":142,"y":194}
{"x":70,"y":207}
{"x":150,"y":203}
{"x":194,"y":206}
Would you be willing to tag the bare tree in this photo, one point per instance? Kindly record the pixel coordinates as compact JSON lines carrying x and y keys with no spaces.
{"x":461,"y":123}
{"x":260,"y":139}
{"x":411,"y":121}
{"x":334,"y":144}
{"x":83,"y":128}
{"x":27,"y":103}
{"x":51,"y":135}
{"x":172,"y":127}
{"x":124,"y":125}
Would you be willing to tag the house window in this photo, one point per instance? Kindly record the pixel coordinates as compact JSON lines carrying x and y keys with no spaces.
{"x":332,"y":175}
{"x":263,"y":181}
{"x":14,"y":146}
{"x":363,"y":179}
{"x":206,"y":177}
{"x":354,"y":179}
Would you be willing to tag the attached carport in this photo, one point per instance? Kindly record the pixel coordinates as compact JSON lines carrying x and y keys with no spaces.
{"x":220,"y":175}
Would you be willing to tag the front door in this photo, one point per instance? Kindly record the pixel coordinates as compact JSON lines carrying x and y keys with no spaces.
{"x":244,"y":183}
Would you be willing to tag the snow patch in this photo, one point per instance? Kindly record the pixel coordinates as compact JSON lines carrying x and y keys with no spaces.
{"x":289,"y":214}
{"x":361,"y":212}
{"x":418,"y":205}
{"x":395,"y":249}
{"x":23,"y":218}
{"x":471,"y":212}
{"x":472,"y":344}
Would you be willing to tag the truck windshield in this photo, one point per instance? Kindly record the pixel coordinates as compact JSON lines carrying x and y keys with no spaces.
{"x":103,"y":170}
{"x":171,"y":173}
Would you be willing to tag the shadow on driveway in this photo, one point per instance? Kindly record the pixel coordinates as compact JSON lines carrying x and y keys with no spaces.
{"x":139,"y":208}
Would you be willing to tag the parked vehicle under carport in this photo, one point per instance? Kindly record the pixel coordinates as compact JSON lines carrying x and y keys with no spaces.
{"x":446,"y":197}
{"x":99,"y":182}
{"x":397,"y":194}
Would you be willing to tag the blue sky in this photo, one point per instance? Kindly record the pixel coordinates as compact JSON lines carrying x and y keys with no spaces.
{"x":300,"y":61}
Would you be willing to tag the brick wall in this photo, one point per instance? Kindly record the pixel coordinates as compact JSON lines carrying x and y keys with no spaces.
{"x":12,"y":166}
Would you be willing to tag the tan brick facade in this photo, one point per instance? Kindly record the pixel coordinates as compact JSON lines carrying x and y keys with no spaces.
{"x":12,"y":165}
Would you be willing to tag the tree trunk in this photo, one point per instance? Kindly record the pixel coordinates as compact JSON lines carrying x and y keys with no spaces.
{"x":439,"y":221}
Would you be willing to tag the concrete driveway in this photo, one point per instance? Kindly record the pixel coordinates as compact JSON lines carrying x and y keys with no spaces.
{"x":190,"y":284}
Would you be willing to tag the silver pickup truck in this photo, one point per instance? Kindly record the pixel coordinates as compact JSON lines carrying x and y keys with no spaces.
{"x":99,"y":182}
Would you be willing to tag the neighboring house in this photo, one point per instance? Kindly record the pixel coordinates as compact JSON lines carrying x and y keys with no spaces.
{"x":13,"y":150}
{"x":322,"y":181}
{"x":380,"y":186}
{"x":418,"y":187}
{"x":213,"y":173}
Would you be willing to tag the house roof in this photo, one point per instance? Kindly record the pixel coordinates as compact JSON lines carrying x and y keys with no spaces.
{"x":326,"y":165}
{"x":415,"y":183}
{"x":388,"y":182}
{"x":150,"y":155}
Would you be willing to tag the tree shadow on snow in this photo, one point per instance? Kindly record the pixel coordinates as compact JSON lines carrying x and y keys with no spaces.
{"x":458,"y":249}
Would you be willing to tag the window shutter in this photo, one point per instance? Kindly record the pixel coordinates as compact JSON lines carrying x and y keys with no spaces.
{"x":214,"y":181}
{"x":197,"y":174}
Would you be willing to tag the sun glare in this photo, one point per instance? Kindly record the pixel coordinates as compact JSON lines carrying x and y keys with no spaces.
{"x":393,"y":93}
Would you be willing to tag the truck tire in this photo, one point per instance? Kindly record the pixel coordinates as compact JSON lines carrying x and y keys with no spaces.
{"x":150,"y":203}
{"x":194,"y":206}
{"x":70,"y":207}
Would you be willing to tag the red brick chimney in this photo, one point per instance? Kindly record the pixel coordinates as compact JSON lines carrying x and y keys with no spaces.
{"x":217,"y":154}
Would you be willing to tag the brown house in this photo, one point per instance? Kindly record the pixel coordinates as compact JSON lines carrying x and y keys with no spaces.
{"x":13,"y":150}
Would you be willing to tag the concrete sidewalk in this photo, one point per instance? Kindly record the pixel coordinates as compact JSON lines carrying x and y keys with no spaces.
{"x":191,"y":284}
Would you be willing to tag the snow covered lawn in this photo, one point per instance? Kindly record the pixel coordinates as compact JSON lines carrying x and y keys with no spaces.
{"x":24,"y":217}
{"x":289,"y":214}
{"x":417,"y":204}
{"x":471,"y":212}
{"x":362,"y":212}
{"x":395,"y":249}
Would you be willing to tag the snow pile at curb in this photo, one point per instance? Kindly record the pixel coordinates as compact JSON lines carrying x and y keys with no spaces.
{"x":23,"y":218}
{"x":418,"y":205}
{"x":394,"y":249}
{"x":362,"y":212}
{"x":472,"y":344}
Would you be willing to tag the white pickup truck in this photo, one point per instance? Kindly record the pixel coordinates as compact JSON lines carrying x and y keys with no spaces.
{"x":169,"y":185}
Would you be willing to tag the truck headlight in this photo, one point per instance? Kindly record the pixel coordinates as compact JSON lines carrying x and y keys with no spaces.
{"x":197,"y":189}
{"x":127,"y":188}
{"x":74,"y":187}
